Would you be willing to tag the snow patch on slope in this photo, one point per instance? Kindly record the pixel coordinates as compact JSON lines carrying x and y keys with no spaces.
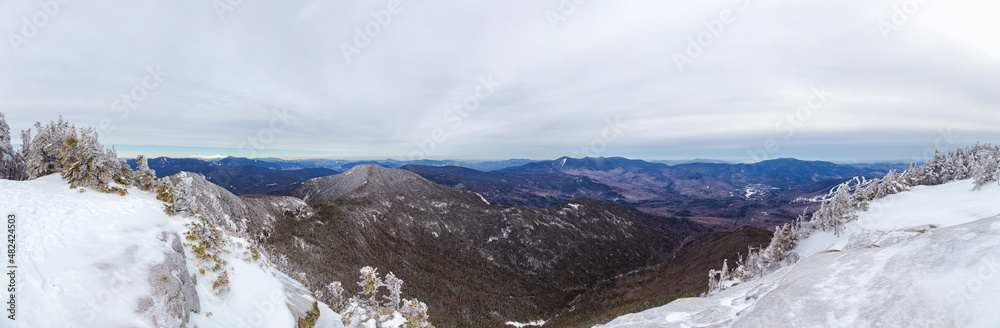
{"x":928,"y":257}
{"x":536,"y":323}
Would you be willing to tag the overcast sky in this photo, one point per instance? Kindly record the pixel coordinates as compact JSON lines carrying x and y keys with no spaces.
{"x":736,"y":80}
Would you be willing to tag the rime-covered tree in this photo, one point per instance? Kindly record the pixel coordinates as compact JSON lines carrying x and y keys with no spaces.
{"x":339,"y":300}
{"x":43,"y":158}
{"x":144,"y":177}
{"x":124,"y":176}
{"x":366,"y":306}
{"x":25,"y":144}
{"x":85,"y":163}
{"x":12,"y":166}
{"x":178,"y":195}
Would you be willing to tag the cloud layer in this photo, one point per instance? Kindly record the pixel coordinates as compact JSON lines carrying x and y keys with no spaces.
{"x":497,"y":79}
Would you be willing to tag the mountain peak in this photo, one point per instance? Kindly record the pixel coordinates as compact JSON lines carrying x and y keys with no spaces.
{"x":367,"y":179}
{"x":596,"y":163}
{"x":361,"y":174}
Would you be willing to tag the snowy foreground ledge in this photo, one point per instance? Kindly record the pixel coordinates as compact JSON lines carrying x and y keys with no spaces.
{"x":100,"y":260}
{"x":928,"y":257}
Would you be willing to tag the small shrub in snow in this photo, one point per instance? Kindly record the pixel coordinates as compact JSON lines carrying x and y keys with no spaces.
{"x":221,"y":283}
{"x":207,"y":242}
{"x":309,"y":321}
{"x":252,"y":254}
{"x":415,"y":313}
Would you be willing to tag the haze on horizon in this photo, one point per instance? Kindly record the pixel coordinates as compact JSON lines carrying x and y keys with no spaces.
{"x":736,"y":80}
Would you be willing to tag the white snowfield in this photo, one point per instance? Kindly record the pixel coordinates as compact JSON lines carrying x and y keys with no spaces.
{"x":928,"y":257}
{"x":101,"y":260}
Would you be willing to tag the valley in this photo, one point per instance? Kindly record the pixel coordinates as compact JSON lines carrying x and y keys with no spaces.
{"x":572,"y":241}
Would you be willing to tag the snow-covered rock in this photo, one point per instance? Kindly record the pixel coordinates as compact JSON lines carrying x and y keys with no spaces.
{"x":89,"y":259}
{"x":928,"y":257}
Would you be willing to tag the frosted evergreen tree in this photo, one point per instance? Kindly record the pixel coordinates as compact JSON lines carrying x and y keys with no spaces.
{"x":85,"y":163}
{"x":124,"y":175}
{"x":986,"y":170}
{"x":336,"y":290}
{"x":365,"y":307}
{"x":178,"y":195}
{"x":936,"y":167}
{"x":996,"y":175}
{"x":43,"y":158}
{"x":12,"y":165}
{"x":80,"y":159}
{"x":395,"y":287}
{"x":145,"y":178}
{"x":25,"y":144}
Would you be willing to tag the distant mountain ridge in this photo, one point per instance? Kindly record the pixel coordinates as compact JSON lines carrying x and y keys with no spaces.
{"x":245,"y":179}
{"x":762,"y":194}
{"x":780,"y":172}
{"x":542,"y":189}
{"x":344,"y":165}
{"x":690,"y":161}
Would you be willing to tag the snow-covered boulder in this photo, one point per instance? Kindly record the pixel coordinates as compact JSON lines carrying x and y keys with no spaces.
{"x":174,"y":295}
